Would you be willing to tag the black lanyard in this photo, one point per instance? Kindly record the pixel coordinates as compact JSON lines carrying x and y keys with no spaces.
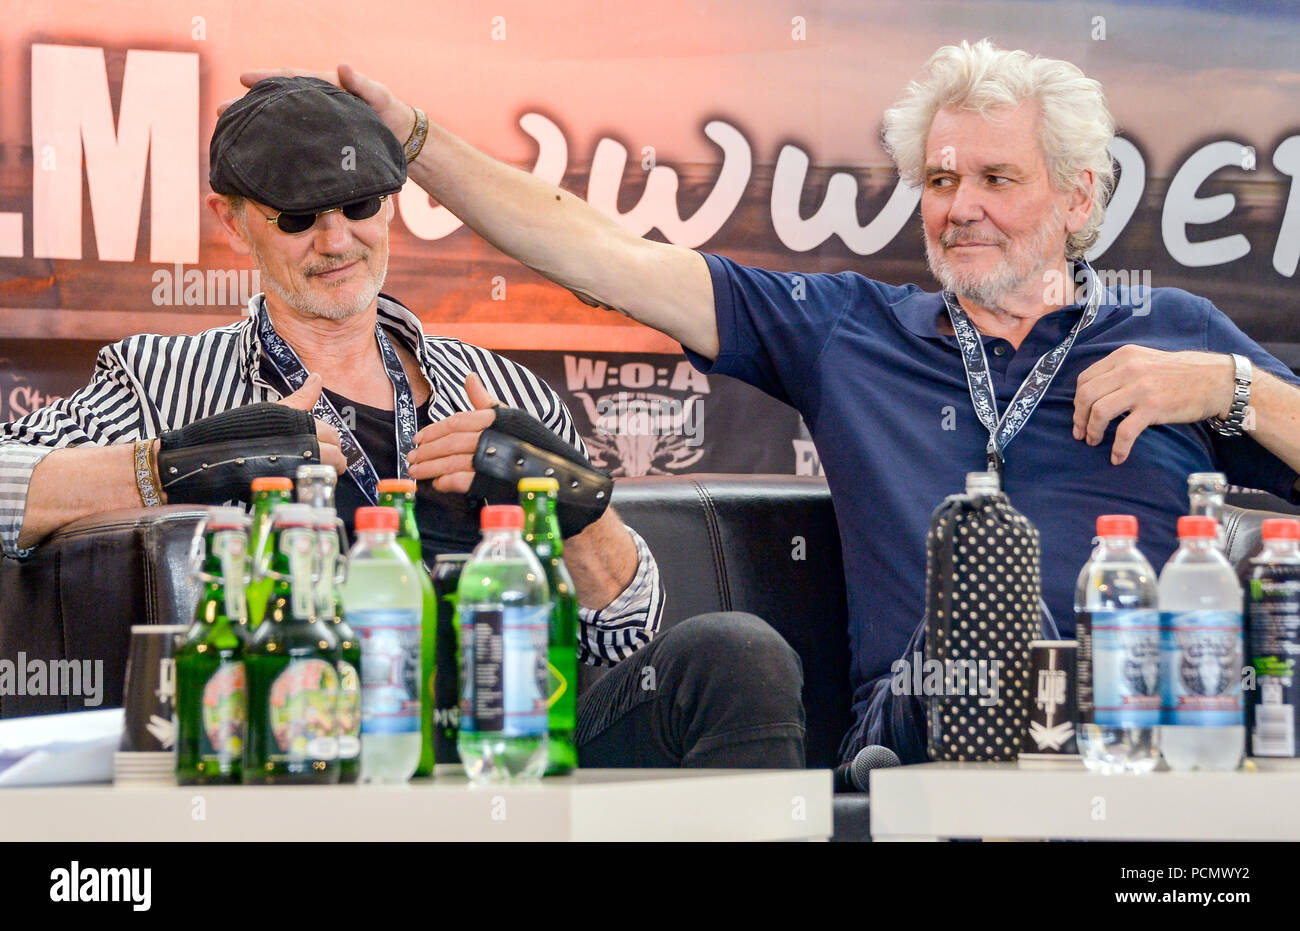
{"x":292,"y":372}
{"x":1004,"y":429}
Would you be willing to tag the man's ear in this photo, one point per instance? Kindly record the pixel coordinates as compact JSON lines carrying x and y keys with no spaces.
{"x":231,"y":223}
{"x":1079,"y":205}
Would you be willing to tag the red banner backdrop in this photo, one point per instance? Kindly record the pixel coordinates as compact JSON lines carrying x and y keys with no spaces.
{"x":749,"y":129}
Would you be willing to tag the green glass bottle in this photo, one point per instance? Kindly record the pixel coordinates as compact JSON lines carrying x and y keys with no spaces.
{"x":399,"y":493}
{"x":212,"y":692}
{"x":292,"y":661}
{"x":542,"y":533}
{"x":267,"y":493}
{"x":329,"y":608}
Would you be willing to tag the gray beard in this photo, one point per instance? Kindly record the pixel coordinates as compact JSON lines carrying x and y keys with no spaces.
{"x":321,"y":308}
{"x":990,"y":291}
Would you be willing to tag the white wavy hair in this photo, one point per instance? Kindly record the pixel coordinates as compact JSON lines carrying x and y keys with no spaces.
{"x":1075,"y":129}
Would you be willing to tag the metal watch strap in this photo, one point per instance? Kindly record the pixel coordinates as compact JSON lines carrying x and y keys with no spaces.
{"x":1243,"y":375}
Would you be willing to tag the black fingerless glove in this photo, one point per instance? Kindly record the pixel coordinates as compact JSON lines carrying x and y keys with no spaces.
{"x":215,"y":459}
{"x":518,"y":446}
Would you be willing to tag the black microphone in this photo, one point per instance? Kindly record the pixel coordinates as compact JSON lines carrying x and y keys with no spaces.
{"x":855,"y":776}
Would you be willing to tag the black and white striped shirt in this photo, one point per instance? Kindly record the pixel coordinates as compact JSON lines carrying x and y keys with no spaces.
{"x":147,"y":384}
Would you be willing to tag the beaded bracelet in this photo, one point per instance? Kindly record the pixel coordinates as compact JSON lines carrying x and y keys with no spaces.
{"x":419,"y":132}
{"x":146,"y":475}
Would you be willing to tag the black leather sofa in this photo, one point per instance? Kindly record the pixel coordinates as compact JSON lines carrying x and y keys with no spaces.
{"x":764,"y":544}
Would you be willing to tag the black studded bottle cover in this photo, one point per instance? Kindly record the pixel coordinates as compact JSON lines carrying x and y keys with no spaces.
{"x":983,"y":582}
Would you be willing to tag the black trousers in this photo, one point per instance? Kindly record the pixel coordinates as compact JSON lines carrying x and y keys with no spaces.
{"x":717,"y":690}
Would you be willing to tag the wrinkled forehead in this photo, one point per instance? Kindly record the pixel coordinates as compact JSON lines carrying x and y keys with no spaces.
{"x":969,"y":141}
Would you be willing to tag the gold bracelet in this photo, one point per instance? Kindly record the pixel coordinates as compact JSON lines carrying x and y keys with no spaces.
{"x":419,"y":132}
{"x":146,"y":474}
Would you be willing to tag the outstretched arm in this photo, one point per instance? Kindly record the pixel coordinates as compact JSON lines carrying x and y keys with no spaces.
{"x":548,"y":229}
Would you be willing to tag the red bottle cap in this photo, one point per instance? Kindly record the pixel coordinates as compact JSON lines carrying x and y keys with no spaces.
{"x":272,"y":483}
{"x":1280,"y":528}
{"x":1117,"y":525}
{"x":1196,"y":526}
{"x":501,"y":517}
{"x":376,"y":519}
{"x":401,"y":486}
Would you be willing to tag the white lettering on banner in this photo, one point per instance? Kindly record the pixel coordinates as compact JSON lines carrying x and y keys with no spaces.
{"x":158,"y":126}
{"x":643,"y":431}
{"x":657,"y":207}
{"x":838,"y":214}
{"x":1184,"y":208}
{"x":806,"y":460}
{"x":1286,"y":254}
{"x":1126,"y":197}
{"x":157,"y":130}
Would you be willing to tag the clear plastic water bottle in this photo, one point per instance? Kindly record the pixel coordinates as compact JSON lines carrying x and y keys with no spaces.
{"x":1118,"y":628}
{"x":1205,"y":497}
{"x":1203,"y":721}
{"x":504,"y":607}
{"x":382,"y":602}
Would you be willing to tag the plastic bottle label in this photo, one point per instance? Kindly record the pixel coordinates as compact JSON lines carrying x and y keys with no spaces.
{"x":1274,"y":646}
{"x":224,"y":713}
{"x":1125,"y":664}
{"x":390,"y":669}
{"x":1201,"y":659}
{"x":303,"y":700}
{"x":504,"y":656}
{"x":349,"y":711}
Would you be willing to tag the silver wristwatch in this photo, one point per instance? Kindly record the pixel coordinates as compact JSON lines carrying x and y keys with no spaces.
{"x":1242,"y":377}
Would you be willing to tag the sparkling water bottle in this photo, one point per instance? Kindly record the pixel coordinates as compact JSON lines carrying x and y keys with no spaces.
{"x":504,"y":607}
{"x":1118,"y":628}
{"x":1203,"y":722}
{"x":382,"y":602}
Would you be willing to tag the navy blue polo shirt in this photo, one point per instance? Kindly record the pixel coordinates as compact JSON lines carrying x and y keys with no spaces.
{"x":885,"y":397}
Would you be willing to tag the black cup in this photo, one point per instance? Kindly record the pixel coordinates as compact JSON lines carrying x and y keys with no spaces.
{"x":150,"y":699}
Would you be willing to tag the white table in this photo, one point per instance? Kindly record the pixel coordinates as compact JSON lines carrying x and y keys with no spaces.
{"x":930,"y":801}
{"x":589,"y":805}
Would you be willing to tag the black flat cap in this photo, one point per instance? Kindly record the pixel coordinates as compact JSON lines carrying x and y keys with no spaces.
{"x":302,"y":144}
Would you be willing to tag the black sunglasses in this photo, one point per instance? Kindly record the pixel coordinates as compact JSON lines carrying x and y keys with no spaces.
{"x":292,"y":223}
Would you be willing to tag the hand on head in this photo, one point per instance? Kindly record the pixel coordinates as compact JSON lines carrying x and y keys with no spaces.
{"x":399,"y":117}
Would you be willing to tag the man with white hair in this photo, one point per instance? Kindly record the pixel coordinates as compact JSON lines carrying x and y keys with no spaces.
{"x":1127,"y":392}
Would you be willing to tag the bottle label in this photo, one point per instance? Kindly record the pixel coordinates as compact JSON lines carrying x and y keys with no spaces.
{"x":1201,"y":660}
{"x":1125,"y":663}
{"x":390,"y":669}
{"x":303,"y":700}
{"x":231,"y":547}
{"x":1274,"y":647}
{"x":504,"y":658}
{"x":225,"y":713}
{"x":349,"y":711}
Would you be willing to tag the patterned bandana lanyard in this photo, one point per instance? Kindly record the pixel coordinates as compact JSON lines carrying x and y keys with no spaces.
{"x":1003,"y":430}
{"x":290,"y":369}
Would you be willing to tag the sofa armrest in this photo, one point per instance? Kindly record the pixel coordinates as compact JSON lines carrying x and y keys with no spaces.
{"x":76,"y":597}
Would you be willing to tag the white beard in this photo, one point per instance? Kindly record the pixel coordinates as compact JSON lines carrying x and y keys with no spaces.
{"x":1022,"y":266}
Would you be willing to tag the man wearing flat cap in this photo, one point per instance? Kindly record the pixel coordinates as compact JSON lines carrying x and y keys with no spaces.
{"x":326,"y":368}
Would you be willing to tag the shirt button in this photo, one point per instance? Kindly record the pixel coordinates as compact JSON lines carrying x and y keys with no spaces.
{"x":999,"y":350}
